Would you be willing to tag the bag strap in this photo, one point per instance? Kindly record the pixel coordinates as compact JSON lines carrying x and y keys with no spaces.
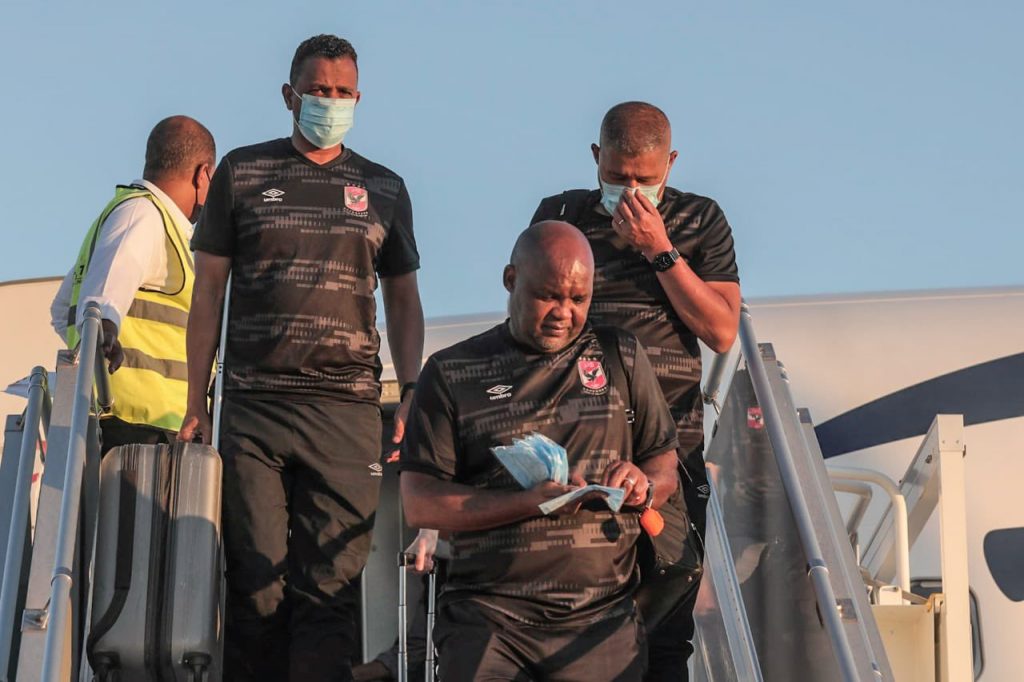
{"x":608,"y":338}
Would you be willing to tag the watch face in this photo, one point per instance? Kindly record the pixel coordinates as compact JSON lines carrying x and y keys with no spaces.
{"x":664,"y":261}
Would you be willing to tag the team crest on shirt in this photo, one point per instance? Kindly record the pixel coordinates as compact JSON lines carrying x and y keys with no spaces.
{"x":595,"y":382}
{"x":356,"y":199}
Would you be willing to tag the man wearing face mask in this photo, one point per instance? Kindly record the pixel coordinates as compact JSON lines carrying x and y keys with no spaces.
{"x":306,"y":228}
{"x":135,"y":263}
{"x":665,"y":271}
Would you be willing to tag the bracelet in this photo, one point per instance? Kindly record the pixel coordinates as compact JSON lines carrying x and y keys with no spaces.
{"x":406,"y":387}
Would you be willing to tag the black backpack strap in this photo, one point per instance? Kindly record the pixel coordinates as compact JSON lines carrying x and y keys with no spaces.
{"x":567,"y":206}
{"x":608,"y":338}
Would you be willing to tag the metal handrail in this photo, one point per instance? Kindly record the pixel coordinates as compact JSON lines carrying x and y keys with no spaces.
{"x":716,"y":372}
{"x":899,"y":506}
{"x":817,"y":570}
{"x":864,"y":493}
{"x":218,"y":385}
{"x":90,"y":373}
{"x":36,"y":412}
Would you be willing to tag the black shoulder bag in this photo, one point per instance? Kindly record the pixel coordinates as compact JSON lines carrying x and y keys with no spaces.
{"x":672,"y":561}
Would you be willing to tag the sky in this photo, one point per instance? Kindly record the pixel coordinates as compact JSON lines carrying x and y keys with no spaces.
{"x":854,"y":146}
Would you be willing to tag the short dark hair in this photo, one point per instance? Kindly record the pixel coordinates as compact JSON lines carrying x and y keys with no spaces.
{"x":177,"y":145}
{"x":635,"y":127}
{"x":324,"y":45}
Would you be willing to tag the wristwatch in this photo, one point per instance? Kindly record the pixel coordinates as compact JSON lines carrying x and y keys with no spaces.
{"x":664,"y":261}
{"x":649,"y":502}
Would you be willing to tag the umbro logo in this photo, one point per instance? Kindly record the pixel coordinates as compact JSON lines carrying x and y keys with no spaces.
{"x":273,"y":194}
{"x":376,"y":469}
{"x":500,"y":392}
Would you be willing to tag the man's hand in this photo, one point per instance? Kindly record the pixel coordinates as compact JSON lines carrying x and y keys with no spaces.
{"x":401,"y":416}
{"x":111,"y":346}
{"x":197,"y":421}
{"x":637,"y":221}
{"x":547,"y":490}
{"x":423,"y":547}
{"x":629,"y":477}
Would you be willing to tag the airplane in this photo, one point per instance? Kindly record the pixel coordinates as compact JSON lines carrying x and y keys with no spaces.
{"x":872,"y":370}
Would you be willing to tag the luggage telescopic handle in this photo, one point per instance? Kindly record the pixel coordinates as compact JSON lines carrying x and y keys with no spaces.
{"x":405,"y":561}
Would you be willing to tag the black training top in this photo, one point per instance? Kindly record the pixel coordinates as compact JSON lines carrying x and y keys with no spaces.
{"x":307,"y":243}
{"x":487,"y":391}
{"x":627,"y":293}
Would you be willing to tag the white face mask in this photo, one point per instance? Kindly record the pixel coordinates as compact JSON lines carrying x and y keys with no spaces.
{"x":612,"y":194}
{"x":325,"y":120}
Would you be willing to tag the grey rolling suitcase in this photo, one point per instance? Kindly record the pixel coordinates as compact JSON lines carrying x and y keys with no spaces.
{"x":158,"y":593}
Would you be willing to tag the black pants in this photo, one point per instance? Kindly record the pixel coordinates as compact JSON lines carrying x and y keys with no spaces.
{"x":670,"y":644}
{"x":115,"y":432}
{"x":300,"y":491}
{"x":478,"y":644}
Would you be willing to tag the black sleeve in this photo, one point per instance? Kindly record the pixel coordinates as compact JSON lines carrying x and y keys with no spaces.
{"x":398,"y":254}
{"x":547,"y":209}
{"x":654,"y":432}
{"x":429,"y":445}
{"x":715,"y":260}
{"x":215,"y":232}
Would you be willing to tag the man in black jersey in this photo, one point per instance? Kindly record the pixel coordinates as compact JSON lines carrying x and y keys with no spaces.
{"x":545,"y":597}
{"x":665,"y":271}
{"x":305,"y":227}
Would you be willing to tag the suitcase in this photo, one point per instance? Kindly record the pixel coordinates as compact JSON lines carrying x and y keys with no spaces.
{"x":158,"y":585}
{"x":405,"y":561}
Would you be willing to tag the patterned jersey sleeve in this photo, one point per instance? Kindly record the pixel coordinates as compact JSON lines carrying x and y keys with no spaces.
{"x":429,"y":445}
{"x":398,"y":255}
{"x":715,"y":258}
{"x":215,"y":232}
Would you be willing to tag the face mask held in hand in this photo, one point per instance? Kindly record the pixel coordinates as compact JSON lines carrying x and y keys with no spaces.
{"x":325,"y":120}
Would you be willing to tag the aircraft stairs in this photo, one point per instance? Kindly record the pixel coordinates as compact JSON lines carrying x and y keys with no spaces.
{"x":790,"y":593}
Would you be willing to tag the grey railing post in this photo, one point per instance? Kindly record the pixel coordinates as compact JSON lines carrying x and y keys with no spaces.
{"x":817,"y":569}
{"x":218,"y":385}
{"x":36,"y":411}
{"x":67,"y":532}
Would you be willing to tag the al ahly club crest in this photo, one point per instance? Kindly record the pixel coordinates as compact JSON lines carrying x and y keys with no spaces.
{"x":592,"y":374}
{"x":356,"y":199}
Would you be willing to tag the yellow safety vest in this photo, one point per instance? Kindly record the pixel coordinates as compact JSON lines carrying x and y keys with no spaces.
{"x":151,"y":387}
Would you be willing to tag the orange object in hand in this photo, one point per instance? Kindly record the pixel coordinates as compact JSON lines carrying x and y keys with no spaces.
{"x":652,"y":521}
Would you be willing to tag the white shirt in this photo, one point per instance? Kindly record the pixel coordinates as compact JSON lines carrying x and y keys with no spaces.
{"x":131,"y":252}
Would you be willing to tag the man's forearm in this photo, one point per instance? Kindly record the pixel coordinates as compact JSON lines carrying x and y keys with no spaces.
{"x":432,"y":503}
{"x":203,"y":333}
{"x":661,"y":471}
{"x":404,"y":313}
{"x":201,"y":344}
{"x":710,"y":312}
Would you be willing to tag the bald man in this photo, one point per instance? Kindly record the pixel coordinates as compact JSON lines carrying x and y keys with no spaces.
{"x":545,"y":597}
{"x":665,"y":271}
{"x":136,"y":265}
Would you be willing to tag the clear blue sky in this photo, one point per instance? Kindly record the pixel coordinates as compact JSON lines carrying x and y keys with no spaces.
{"x":876,"y":145}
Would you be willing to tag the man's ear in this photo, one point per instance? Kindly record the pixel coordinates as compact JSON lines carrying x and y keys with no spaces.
{"x":286,"y":92}
{"x":596,"y":151}
{"x":672,"y":159}
{"x":508,"y":278}
{"x":197,"y":176}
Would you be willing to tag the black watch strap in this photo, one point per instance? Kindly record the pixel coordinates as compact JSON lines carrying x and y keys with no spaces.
{"x":406,"y":387}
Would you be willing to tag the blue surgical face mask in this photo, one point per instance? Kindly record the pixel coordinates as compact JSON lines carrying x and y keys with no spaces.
{"x":325,"y":120}
{"x":611,"y":194}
